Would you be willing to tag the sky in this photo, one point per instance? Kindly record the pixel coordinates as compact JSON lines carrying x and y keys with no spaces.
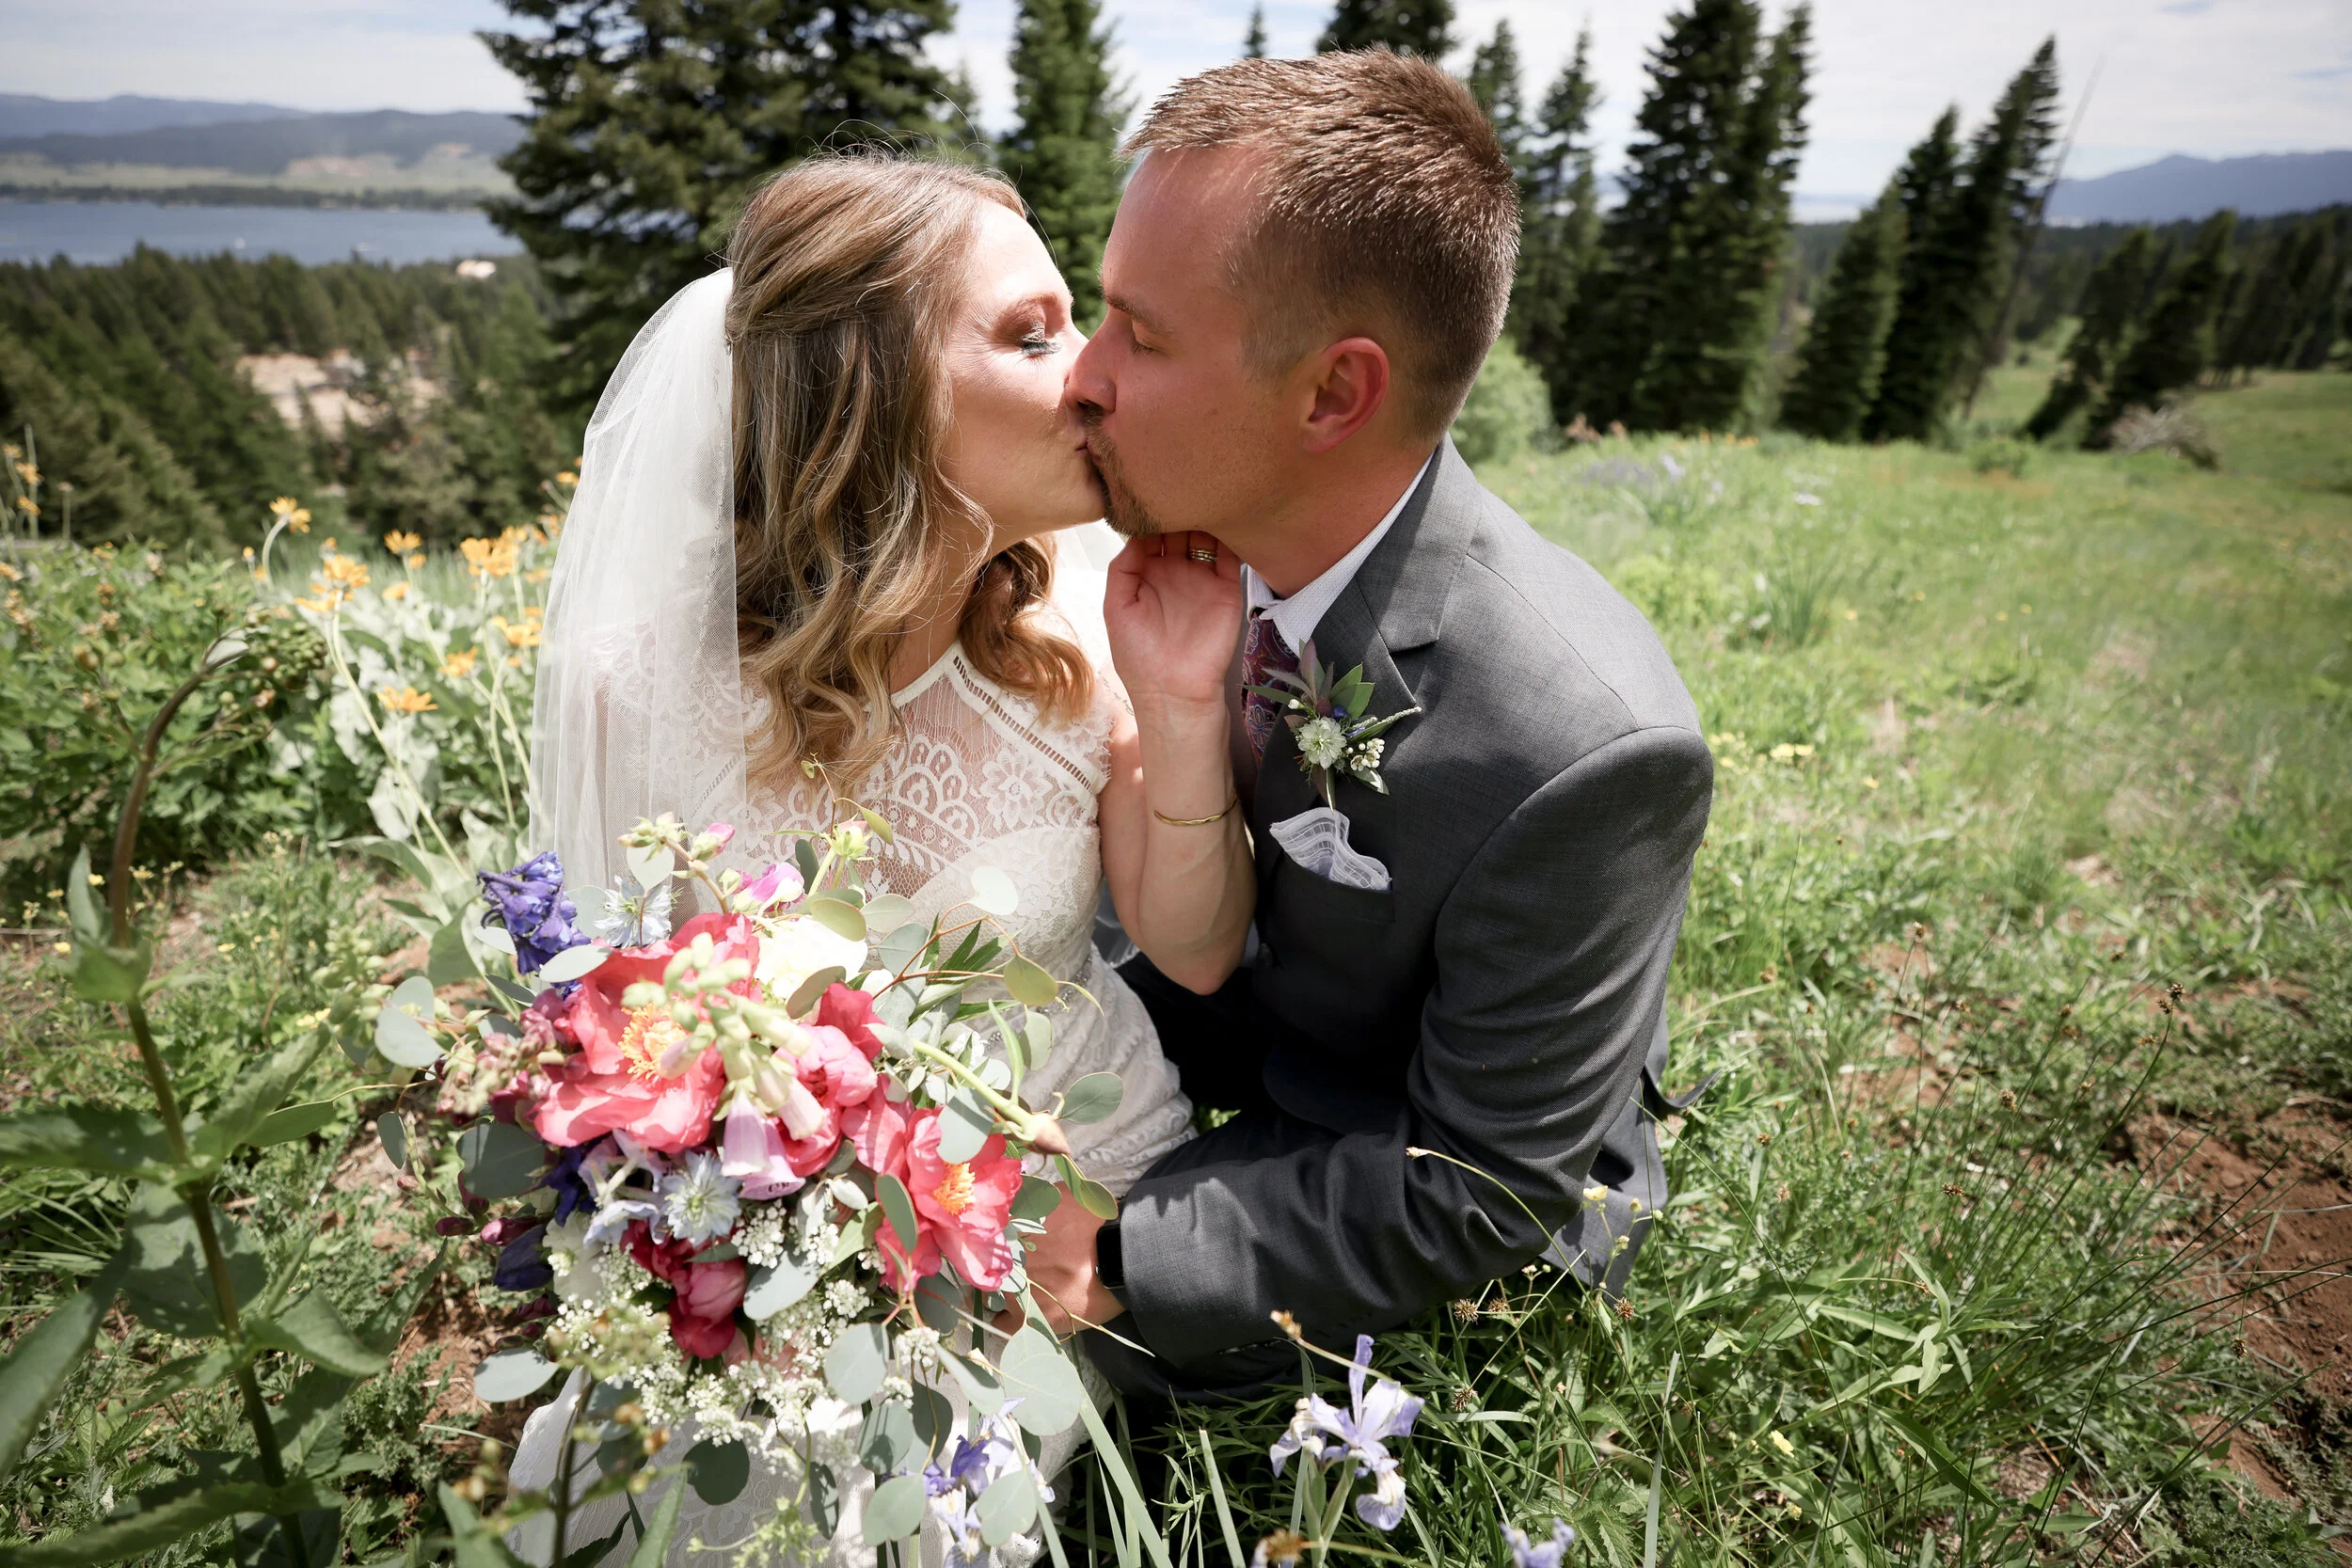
{"x":2207,"y":77}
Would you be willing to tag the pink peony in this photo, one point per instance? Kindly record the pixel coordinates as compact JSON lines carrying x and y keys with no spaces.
{"x":879,"y":1132}
{"x":618,"y":1080}
{"x":851,"y":1011}
{"x":964,"y":1206}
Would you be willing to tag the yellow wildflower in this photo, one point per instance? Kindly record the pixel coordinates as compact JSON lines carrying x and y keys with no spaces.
{"x":459,"y":665}
{"x":568,"y":478}
{"x":344,"y":572}
{"x":28,"y":504}
{"x":538,"y":575}
{"x":415,"y":561}
{"x":405,"y":699}
{"x":1868,"y":783}
{"x":401,"y":544}
{"x":10,"y":573}
{"x":292,"y":513}
{"x":489,"y":558}
{"x":29,"y":474}
{"x":524,"y":633}
{"x":397,"y":591}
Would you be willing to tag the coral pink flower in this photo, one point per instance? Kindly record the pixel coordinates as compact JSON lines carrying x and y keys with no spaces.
{"x":965,"y":1205}
{"x":851,"y":1011}
{"x":879,"y":1132}
{"x":624,"y":1077}
{"x":701,"y":1315}
{"x":827,"y":1078}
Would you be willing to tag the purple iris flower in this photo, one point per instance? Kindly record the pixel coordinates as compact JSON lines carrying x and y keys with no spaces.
{"x":531,"y":904}
{"x":1326,"y":1435}
{"x":523,"y":1264}
{"x":1525,"y":1554}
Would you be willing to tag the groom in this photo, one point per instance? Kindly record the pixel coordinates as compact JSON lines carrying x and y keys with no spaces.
{"x":1305,"y":273}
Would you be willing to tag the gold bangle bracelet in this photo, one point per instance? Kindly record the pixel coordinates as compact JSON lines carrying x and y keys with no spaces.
{"x":1197,"y":821}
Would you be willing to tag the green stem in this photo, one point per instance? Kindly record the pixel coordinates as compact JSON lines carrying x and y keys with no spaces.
{"x":1024,"y":1120}
{"x":424,"y":811}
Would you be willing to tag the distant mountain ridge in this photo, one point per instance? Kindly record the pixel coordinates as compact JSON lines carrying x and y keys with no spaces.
{"x":2181,"y":187}
{"x":266,"y":147}
{"x":24,"y":114}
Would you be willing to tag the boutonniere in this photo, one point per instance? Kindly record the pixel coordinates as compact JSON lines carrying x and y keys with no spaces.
{"x":1326,"y":713}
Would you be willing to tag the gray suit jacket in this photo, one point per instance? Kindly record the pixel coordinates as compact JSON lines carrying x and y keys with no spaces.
{"x":1499,"y":1001}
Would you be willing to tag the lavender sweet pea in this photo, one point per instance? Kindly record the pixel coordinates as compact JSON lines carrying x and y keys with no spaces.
{"x":531,"y":904}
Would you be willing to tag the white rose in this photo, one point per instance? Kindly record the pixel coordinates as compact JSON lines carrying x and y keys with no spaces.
{"x":800,"y":947}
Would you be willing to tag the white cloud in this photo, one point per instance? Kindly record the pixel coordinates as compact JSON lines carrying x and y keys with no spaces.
{"x":2185,"y":77}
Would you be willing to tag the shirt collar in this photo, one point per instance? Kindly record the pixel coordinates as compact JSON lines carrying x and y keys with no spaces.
{"x":1297,"y":616}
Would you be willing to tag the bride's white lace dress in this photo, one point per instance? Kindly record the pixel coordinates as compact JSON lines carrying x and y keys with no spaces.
{"x":978,"y":777}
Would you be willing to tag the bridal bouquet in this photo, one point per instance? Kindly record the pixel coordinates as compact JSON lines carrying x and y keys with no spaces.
{"x":768,"y":1173}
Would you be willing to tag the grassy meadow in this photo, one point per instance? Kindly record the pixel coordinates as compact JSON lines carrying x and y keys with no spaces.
{"x":2008,"y":1231}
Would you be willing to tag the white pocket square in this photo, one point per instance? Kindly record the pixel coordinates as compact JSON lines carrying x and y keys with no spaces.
{"x":1317,"y":840}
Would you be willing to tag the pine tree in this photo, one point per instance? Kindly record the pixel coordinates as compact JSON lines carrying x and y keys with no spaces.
{"x":2175,"y":344}
{"x":2273,"y":301}
{"x":1957,"y":268}
{"x":1669,"y":330}
{"x":1063,"y":154}
{"x":1838,"y":367}
{"x":1421,"y":27}
{"x":2110,"y":304}
{"x":1494,"y":81}
{"x":653,"y":120}
{"x":1560,"y":224}
{"x":1254,"y":42}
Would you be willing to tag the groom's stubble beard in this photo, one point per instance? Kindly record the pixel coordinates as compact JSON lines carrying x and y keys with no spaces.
{"x":1121,"y":507}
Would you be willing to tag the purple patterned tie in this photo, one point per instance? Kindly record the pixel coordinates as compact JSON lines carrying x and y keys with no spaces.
{"x":1264,"y":656}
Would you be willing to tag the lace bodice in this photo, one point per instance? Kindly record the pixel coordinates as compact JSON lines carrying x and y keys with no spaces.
{"x":976,"y":776}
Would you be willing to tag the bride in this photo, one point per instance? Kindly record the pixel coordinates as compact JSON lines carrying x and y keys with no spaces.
{"x":814,"y":557}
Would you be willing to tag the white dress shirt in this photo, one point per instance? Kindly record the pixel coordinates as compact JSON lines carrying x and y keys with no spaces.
{"x":1297,"y":616}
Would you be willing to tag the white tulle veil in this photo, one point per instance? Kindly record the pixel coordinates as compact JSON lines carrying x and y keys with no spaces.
{"x":639,"y":706}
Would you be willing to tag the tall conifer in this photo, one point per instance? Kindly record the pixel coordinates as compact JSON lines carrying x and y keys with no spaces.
{"x":1669,"y":330}
{"x":1560,"y":223}
{"x":1494,"y":81}
{"x":2175,"y":343}
{"x":1254,"y":42}
{"x":1063,"y":152}
{"x":1957,"y":268}
{"x":650,"y":125}
{"x":1837,"y":366}
{"x":2110,"y":306}
{"x":1422,"y":27}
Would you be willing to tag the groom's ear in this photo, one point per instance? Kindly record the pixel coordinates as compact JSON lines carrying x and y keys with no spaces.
{"x":1350,"y":385}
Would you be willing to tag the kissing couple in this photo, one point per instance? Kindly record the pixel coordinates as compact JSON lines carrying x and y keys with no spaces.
{"x":1394,"y":800}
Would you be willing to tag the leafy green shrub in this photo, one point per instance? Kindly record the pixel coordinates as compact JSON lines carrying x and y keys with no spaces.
{"x":1507,"y":410}
{"x":95,"y":641}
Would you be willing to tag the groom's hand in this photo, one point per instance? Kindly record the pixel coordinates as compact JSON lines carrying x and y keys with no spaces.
{"x":1062,"y":1271}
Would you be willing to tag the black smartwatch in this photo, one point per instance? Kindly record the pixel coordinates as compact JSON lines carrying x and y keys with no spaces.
{"x":1109,"y":1266}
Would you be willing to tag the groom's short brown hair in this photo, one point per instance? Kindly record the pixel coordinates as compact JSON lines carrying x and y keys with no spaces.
{"x":1380,"y":184}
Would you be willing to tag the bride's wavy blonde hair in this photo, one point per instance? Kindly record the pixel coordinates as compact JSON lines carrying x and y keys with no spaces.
{"x":849,"y":270}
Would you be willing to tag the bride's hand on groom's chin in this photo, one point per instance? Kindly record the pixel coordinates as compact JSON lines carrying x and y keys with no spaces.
{"x":1174,"y":618}
{"x":1061,"y":1273}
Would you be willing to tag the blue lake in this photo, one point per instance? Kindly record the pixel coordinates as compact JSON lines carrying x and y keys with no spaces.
{"x":100,"y":231}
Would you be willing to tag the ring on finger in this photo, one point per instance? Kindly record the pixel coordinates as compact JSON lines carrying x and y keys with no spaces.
{"x":1206,"y":558}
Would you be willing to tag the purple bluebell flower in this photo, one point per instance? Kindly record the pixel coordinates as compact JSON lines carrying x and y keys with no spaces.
{"x":1359,"y":1433}
{"x":531,"y":904}
{"x":1525,"y":1554}
{"x":570,"y":1187}
{"x":523,"y":1264}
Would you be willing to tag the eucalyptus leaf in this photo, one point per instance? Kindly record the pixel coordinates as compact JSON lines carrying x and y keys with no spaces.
{"x":1040,"y":1375}
{"x":895,"y":1509}
{"x":887,"y":1441}
{"x":502,"y":1160}
{"x":1008,"y":1506}
{"x":652,"y":866}
{"x":812,"y":991}
{"x":887,"y":911}
{"x":511,"y":1374}
{"x":403,"y":1041}
{"x":719,"y":1471}
{"x":982,"y":1390}
{"x":1037,"y":1198}
{"x":824,"y":1500}
{"x":935,"y":1418}
{"x":495,"y":937}
{"x":898,"y":1209}
{"x":392,"y":1132}
{"x":775,"y":1287}
{"x":938,"y":1300}
{"x":1028,"y":984}
{"x":858,"y":1362}
{"x":994,"y":891}
{"x":1090,"y":1099}
{"x":898,"y":951}
{"x":294,"y":1121}
{"x":838,"y":915}
{"x":447,"y":962}
{"x":1041,"y":1039}
{"x":572,"y":963}
{"x":965,"y":1126}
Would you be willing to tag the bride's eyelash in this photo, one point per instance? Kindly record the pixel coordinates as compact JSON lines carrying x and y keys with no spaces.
{"x":1035,"y":342}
